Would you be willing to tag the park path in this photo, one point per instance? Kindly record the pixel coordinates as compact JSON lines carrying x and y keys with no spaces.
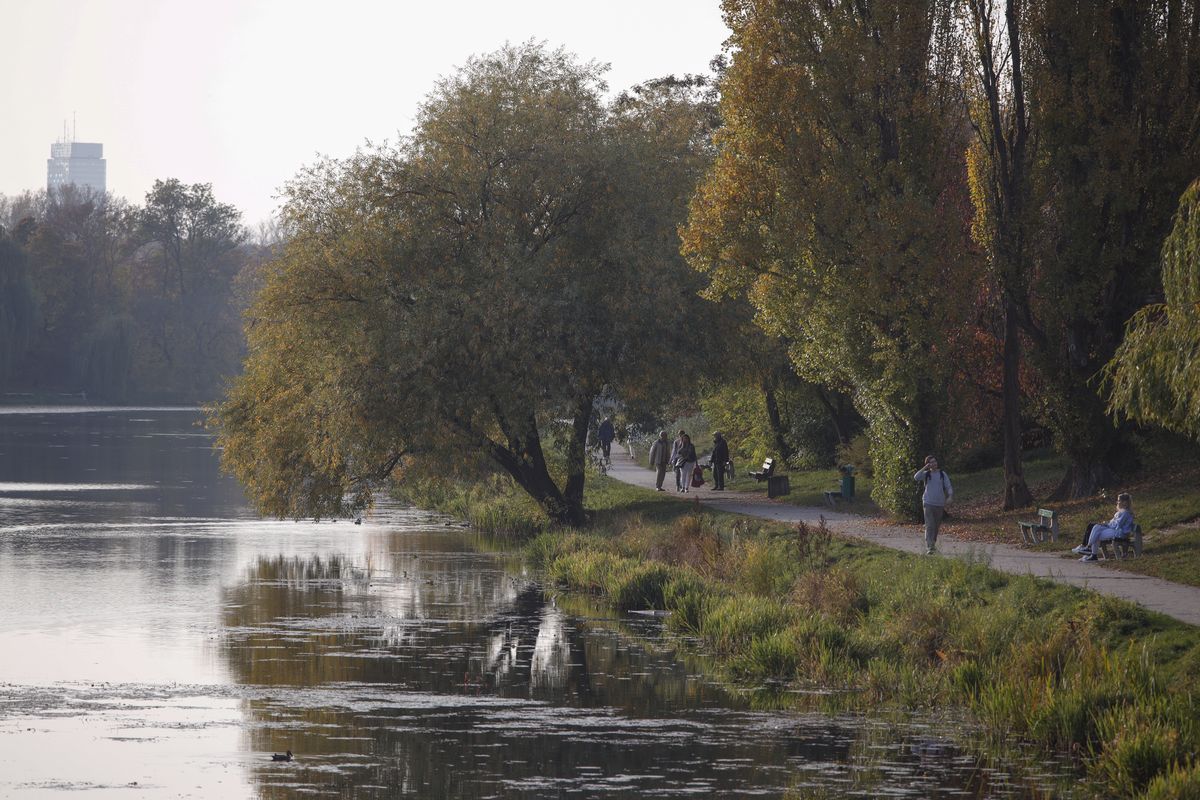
{"x":1173,"y":599}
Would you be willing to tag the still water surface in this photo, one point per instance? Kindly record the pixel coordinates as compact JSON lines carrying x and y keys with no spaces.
{"x":158,"y":639}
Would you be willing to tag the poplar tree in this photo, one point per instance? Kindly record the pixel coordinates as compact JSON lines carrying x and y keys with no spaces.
{"x":835,"y":205}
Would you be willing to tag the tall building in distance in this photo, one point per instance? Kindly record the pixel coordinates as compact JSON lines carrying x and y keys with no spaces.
{"x":78,"y":163}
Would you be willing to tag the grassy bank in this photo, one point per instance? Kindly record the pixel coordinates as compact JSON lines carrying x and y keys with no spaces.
{"x":791,"y":607}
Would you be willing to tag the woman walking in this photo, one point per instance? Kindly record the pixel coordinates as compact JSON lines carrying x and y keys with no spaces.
{"x":686,"y":461}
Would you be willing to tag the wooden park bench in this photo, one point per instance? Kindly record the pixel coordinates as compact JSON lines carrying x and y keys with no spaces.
{"x":768,"y":469}
{"x":1125,"y":545}
{"x":777,"y":485}
{"x":1044,"y":528}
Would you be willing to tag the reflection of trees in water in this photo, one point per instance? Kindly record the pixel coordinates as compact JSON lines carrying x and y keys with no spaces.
{"x":449,"y":713}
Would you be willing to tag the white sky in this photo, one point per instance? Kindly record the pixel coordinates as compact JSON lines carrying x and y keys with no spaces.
{"x":242,"y":93}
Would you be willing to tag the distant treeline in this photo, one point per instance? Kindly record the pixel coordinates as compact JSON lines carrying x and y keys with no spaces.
{"x":120,"y":302}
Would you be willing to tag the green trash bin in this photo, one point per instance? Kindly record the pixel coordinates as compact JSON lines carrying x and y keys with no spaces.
{"x":847,"y":471}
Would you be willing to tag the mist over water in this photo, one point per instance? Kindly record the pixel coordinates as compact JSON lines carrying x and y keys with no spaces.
{"x":156,"y":635}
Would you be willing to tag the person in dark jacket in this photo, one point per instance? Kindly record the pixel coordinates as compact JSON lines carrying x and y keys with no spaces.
{"x":606,"y":434}
{"x":720,"y":457}
{"x":687,"y":462}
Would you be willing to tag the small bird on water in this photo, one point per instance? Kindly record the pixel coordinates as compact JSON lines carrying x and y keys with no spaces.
{"x":282,"y":756}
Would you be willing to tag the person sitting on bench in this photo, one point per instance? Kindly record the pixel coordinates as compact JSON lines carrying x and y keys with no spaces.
{"x":1120,"y":526}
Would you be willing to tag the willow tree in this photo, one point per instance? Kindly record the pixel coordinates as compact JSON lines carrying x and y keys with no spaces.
{"x":458,"y":298}
{"x":836,"y":204}
{"x":1155,"y":375}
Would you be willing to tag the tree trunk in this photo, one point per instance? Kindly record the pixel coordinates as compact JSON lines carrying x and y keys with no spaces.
{"x":524,"y":460}
{"x":577,"y":457}
{"x":1016,"y":491}
{"x":1086,"y":436}
{"x":838,"y":415}
{"x":786,"y":451}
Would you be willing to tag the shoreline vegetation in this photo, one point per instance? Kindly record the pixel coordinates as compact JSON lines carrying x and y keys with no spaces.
{"x":1101,"y":681}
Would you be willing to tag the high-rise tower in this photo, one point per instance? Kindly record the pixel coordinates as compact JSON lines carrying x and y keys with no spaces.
{"x":78,"y":163}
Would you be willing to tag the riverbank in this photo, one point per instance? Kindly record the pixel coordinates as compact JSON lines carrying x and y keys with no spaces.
{"x":1165,"y":597}
{"x":794,"y":607}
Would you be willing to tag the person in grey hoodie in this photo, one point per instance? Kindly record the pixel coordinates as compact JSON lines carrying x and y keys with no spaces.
{"x":659,"y":458}
{"x":938,"y":493}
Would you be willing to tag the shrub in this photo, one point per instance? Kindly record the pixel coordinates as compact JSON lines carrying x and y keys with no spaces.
{"x":836,"y":593}
{"x":775,"y":656}
{"x":733,"y":622}
{"x":1179,"y":783}
{"x":764,"y":568}
{"x":1136,"y":749}
{"x":640,"y":586}
{"x":687,"y":597}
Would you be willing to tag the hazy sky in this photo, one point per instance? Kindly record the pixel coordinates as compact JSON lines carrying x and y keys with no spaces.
{"x":242,"y":93}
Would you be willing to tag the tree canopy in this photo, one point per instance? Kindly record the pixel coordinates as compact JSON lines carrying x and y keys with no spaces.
{"x":837,"y":204}
{"x":461,"y":297}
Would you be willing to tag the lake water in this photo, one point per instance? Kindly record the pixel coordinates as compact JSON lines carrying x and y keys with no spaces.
{"x":158,"y":639}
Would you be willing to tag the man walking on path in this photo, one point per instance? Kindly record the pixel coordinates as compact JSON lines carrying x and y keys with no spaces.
{"x":606,"y":433}
{"x":938,"y":492}
{"x":660,"y":456}
{"x":720,"y":457}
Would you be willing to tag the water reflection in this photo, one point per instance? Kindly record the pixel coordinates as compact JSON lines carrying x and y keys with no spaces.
{"x":464,"y":681}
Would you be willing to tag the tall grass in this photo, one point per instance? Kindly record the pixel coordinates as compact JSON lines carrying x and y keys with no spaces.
{"x":1031,"y":660}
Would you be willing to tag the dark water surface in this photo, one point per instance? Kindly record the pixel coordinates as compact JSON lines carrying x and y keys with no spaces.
{"x":157,"y":639}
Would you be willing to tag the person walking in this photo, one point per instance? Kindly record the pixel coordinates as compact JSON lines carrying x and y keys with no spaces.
{"x":660,"y":456}
{"x":720,"y":457}
{"x":938,"y":493}
{"x":606,"y":435}
{"x":687,"y":462}
{"x":678,"y":443}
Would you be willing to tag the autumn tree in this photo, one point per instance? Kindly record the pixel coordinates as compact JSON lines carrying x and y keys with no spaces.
{"x":835,"y":205}
{"x":460,"y":298}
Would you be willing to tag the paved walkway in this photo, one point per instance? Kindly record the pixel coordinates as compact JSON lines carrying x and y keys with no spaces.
{"x":1173,"y":599}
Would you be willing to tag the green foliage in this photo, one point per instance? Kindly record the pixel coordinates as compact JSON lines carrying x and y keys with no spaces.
{"x":1033,"y":661}
{"x":1113,"y":103}
{"x":842,"y":249}
{"x":445,"y":303}
{"x":1137,"y":748}
{"x":1155,"y":375}
{"x":732,"y":623}
{"x":1179,"y":783}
